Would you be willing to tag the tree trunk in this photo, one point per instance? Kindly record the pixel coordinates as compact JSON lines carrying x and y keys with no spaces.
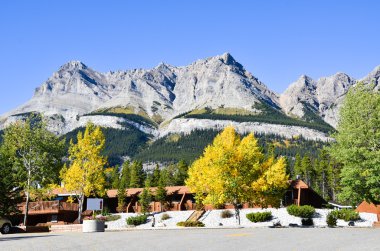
{"x":80,"y":201}
{"x":27,"y":201}
{"x":237,"y":213}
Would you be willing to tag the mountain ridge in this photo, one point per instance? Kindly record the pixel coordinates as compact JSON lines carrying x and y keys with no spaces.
{"x":219,"y":84}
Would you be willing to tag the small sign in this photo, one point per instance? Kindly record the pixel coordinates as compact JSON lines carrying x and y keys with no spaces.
{"x":94,"y":204}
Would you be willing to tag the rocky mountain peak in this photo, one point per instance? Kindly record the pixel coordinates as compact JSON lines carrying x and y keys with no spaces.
{"x":73,"y":65}
{"x":305,"y":80}
{"x":373,"y":77}
{"x":227,"y":59}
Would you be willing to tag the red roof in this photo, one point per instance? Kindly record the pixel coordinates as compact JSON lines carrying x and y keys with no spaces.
{"x":298,"y":184}
{"x":112,"y":193}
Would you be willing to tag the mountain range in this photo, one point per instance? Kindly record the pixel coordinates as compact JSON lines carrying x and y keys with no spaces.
{"x":207,"y":94}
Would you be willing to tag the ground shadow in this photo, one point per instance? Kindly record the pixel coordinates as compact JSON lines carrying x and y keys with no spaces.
{"x":10,"y":238}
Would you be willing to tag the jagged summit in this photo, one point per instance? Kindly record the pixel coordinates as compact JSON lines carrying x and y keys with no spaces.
{"x":72,"y":65}
{"x":218,"y":83}
{"x":228,"y":59}
{"x":373,"y":77}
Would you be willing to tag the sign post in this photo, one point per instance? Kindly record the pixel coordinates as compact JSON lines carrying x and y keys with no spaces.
{"x":94,"y":204}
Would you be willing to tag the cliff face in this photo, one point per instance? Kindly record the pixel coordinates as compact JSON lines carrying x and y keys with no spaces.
{"x":76,"y":94}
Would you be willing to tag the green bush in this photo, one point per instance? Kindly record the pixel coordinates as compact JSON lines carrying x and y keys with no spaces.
{"x":112,"y":217}
{"x":346,"y":214}
{"x":331,"y":220}
{"x":259,"y":217}
{"x":226,"y":214}
{"x":165,"y":217}
{"x":137,"y":220}
{"x":190,"y":224}
{"x":301,"y":211}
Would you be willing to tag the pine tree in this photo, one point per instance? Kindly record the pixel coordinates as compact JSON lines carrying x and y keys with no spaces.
{"x":155,"y":176}
{"x":115,"y":176}
{"x":123,"y":184}
{"x":145,"y":198}
{"x":180,"y":174}
{"x":161,"y":192}
{"x":137,"y":176}
{"x":297,"y":169}
{"x":306,"y":167}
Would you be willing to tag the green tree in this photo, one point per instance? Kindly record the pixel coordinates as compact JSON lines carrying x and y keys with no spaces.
{"x":306,"y":169}
{"x":115,"y":176}
{"x":357,"y":145}
{"x":35,"y":154}
{"x":155,"y":176}
{"x":297,"y":169}
{"x":137,"y":175}
{"x":161,"y":192}
{"x":85,"y":177}
{"x":145,"y":198}
{"x":123,"y":184}
{"x":9,"y":187}
{"x":180,"y":174}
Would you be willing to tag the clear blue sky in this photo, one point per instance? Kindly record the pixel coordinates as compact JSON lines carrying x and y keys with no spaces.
{"x":275,"y":40}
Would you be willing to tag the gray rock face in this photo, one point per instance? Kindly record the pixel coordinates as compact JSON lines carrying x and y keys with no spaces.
{"x":162,"y":92}
{"x":167,"y":91}
{"x":323,"y":97}
{"x":373,"y":78}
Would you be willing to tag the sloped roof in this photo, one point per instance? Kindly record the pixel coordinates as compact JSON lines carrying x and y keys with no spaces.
{"x":298,"y":184}
{"x":112,"y":193}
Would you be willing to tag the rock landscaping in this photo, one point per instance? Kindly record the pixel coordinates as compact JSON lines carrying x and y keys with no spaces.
{"x":213,"y":219}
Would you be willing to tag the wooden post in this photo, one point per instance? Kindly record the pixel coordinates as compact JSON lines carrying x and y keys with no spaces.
{"x":180,"y":203}
{"x":299,"y":196}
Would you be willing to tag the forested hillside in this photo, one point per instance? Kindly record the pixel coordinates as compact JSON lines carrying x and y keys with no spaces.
{"x":268,"y":115}
{"x":119,"y":143}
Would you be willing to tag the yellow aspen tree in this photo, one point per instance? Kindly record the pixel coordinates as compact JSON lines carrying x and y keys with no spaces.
{"x":85,"y":175}
{"x":272,"y":183}
{"x":230,"y":170}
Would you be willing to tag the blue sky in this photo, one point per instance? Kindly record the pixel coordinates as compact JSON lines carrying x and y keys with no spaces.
{"x":275,"y":40}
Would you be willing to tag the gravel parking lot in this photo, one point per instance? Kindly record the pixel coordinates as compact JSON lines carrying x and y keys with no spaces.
{"x":201,"y":239}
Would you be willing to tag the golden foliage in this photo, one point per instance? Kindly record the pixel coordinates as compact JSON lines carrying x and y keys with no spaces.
{"x":233,"y":170}
{"x":85,"y":175}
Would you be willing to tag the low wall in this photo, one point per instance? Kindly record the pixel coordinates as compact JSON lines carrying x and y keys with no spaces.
{"x":66,"y":228}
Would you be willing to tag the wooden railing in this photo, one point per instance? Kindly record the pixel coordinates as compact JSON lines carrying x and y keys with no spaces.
{"x":48,"y":207}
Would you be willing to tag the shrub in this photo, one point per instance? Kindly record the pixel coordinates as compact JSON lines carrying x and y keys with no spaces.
{"x":226,"y":214}
{"x":331,"y":220}
{"x":346,"y":214}
{"x":137,"y":220}
{"x":301,"y":211}
{"x":190,"y":224}
{"x":165,"y":217}
{"x":307,"y":222}
{"x":105,"y":211}
{"x":259,"y":217}
{"x":112,"y":217}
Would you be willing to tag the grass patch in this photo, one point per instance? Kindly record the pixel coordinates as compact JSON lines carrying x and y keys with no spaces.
{"x":165,"y":217}
{"x":190,"y":224}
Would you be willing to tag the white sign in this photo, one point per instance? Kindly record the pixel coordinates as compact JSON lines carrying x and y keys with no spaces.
{"x":94,"y":204}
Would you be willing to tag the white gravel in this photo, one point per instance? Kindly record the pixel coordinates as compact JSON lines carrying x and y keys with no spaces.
{"x":212,"y":219}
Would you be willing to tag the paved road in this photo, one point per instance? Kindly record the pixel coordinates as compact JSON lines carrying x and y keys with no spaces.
{"x":320,"y":239}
